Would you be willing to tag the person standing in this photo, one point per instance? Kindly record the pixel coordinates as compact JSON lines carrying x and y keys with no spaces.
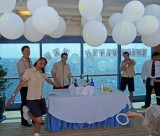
{"x":151,"y":70}
{"x":23,"y":64}
{"x":35,"y":78}
{"x":61,"y":72}
{"x":128,"y":73}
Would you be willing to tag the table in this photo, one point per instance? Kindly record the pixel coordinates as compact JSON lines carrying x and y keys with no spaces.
{"x":66,"y":111}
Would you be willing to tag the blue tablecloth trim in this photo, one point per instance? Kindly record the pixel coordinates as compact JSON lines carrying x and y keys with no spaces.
{"x":54,"y":124}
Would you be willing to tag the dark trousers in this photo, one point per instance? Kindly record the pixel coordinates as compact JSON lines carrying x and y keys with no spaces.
{"x":64,"y":87}
{"x":157,"y":91}
{"x":149,"y":89}
{"x":23,"y":93}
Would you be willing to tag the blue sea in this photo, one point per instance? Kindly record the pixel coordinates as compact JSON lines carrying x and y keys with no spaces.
{"x":92,"y":66}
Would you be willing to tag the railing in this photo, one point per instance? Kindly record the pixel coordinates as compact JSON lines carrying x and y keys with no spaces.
{"x":92,"y":75}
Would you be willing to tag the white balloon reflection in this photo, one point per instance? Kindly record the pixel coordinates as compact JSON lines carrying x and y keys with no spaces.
{"x":74,"y":58}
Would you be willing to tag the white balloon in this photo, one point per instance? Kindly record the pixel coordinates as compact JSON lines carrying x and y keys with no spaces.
{"x":7,"y":5}
{"x":152,"y":40}
{"x":114,"y":19}
{"x":30,"y":33}
{"x":94,"y":33}
{"x":133,"y":11}
{"x":90,"y":10}
{"x":32,"y":5}
{"x":153,"y":10}
{"x":11,"y":26}
{"x":147,"y":25}
{"x":84,"y":21}
{"x":61,"y":29}
{"x":89,"y":60}
{"x":110,"y":64}
{"x":45,"y":20}
{"x":74,"y":58}
{"x":124,"y":32}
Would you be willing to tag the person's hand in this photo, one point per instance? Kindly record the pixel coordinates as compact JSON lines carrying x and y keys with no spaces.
{"x":57,"y":85}
{"x":155,"y":80}
{"x":144,"y":81}
{"x":131,"y":115}
{"x":10,"y":101}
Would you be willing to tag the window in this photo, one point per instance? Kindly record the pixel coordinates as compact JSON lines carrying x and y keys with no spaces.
{"x":140,"y":53}
{"x":53,"y":52}
{"x":101,"y":60}
{"x":10,"y":54}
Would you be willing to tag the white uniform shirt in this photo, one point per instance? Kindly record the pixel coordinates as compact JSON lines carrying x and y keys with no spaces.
{"x":22,"y":65}
{"x":35,"y":80}
{"x":129,"y":72}
{"x":147,"y":68}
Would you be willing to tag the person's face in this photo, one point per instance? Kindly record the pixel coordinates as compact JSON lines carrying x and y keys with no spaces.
{"x":64,"y":58}
{"x":156,"y":58}
{"x":26,"y":52}
{"x":41,"y":63}
{"x":126,"y":56}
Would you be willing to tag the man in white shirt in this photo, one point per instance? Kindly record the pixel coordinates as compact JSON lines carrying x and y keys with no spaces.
{"x":128,"y":73}
{"x":61,"y":72}
{"x":23,"y":64}
{"x":151,"y":70}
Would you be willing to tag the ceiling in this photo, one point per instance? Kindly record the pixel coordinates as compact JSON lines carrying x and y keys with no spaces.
{"x":68,"y":9}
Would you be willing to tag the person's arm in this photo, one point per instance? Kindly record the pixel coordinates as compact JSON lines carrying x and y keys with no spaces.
{"x":143,"y":73}
{"x":132,"y":62}
{"x":69,"y":74}
{"x":11,"y":100}
{"x":156,"y":80}
{"x":54,"y":75}
{"x":132,"y":115}
{"x":123,"y":66}
{"x":21,"y":69}
{"x":51,"y":82}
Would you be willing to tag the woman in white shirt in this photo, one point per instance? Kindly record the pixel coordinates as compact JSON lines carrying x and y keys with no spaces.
{"x":34,"y":77}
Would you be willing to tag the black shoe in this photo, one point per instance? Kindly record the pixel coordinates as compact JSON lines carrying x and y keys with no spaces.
{"x":26,"y":124}
{"x":34,"y":122}
{"x":144,"y":106}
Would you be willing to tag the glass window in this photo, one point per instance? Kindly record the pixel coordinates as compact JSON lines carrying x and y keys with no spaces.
{"x":53,"y":51}
{"x":10,"y":54}
{"x":140,"y":53}
{"x":101,"y":60}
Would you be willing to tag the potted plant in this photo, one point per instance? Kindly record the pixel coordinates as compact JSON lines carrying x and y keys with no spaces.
{"x":3,"y":73}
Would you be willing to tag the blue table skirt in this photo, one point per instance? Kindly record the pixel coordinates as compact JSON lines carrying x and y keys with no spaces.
{"x":54,"y":124}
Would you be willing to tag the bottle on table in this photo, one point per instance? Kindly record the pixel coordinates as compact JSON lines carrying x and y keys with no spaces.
{"x":82,"y":79}
{"x":87,"y":79}
{"x":92,"y":82}
{"x":75,"y":83}
{"x":102,"y":86}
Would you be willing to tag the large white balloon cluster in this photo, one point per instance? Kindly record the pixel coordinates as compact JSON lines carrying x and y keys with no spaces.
{"x":11,"y":25}
{"x":45,"y":20}
{"x":135,"y":17}
{"x":94,"y":31}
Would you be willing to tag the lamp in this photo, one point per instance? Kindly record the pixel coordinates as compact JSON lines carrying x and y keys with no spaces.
{"x":24,"y":12}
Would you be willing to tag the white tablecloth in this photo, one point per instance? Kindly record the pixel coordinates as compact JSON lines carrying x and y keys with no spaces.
{"x":85,"y":109}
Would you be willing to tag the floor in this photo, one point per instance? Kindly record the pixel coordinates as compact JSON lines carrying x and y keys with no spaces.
{"x":12,"y":127}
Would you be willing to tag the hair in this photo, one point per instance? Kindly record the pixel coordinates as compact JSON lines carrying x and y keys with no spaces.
{"x":126,"y":53}
{"x":41,"y":58}
{"x":154,"y":54}
{"x":64,"y":54}
{"x":24,"y":47}
{"x":152,"y":119}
